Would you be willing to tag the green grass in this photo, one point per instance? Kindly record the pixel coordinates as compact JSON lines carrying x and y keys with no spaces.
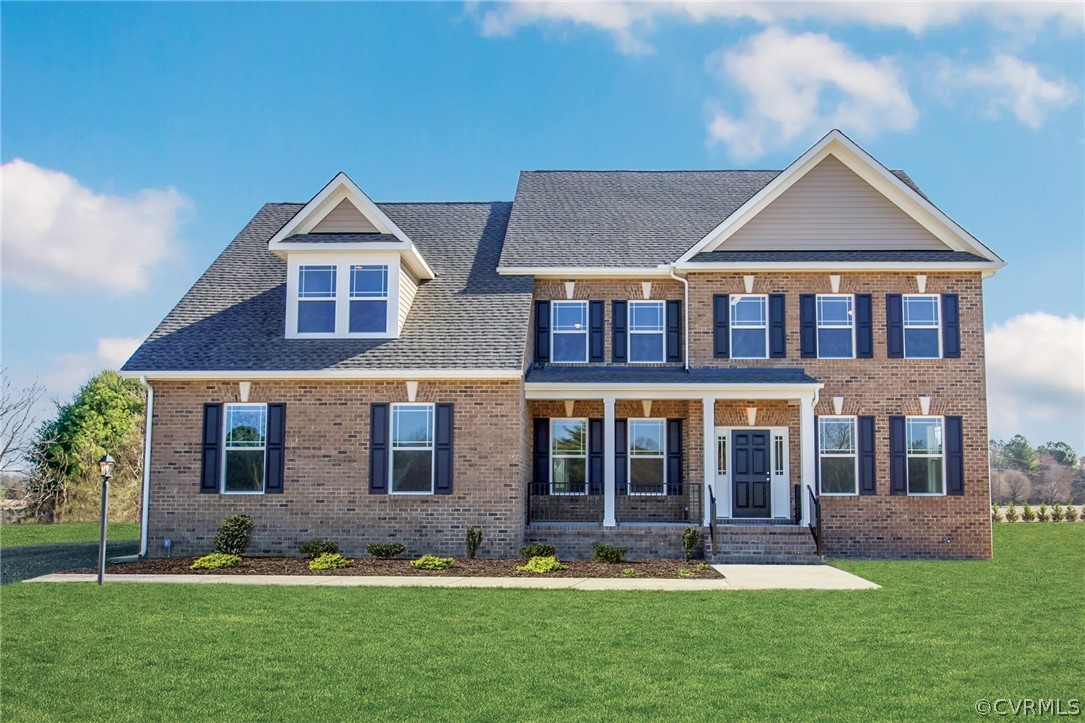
{"x":20,"y":535}
{"x":936,"y":638}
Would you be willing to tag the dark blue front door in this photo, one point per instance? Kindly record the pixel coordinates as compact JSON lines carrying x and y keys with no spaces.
{"x":750,"y":474}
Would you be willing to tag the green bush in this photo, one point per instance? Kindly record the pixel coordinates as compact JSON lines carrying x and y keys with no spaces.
{"x":685,"y":572}
{"x":1058,"y":514}
{"x":1027,"y":514}
{"x":1044,"y":515}
{"x":329,"y":561}
{"x":385,"y":550}
{"x":474,"y":541}
{"x":538,"y":549}
{"x":1071,"y":513}
{"x":216,"y":561}
{"x":430,"y":562}
{"x":703,"y":566}
{"x":629,"y":572}
{"x":608,"y":553}
{"x":318,"y":547}
{"x":234,"y":535}
{"x":690,"y":538}
{"x":1011,"y":514}
{"x":542,"y":565}
{"x":996,"y":514}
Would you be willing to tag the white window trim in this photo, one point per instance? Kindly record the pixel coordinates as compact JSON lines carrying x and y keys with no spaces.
{"x":585,"y":457}
{"x":822,"y":453}
{"x":908,"y":455}
{"x":225,"y":449}
{"x":430,"y":449}
{"x":904,"y":326}
{"x":342,"y":263}
{"x":662,"y":333}
{"x":819,"y":326}
{"x":629,"y":458}
{"x":731,"y":324}
{"x":554,"y":332}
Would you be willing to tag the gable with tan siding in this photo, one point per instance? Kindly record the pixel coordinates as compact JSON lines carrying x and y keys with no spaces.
{"x":344,"y":218}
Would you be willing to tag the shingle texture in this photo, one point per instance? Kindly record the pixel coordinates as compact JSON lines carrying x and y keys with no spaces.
{"x":233,"y":318}
{"x":664,"y":375}
{"x":847,"y":256}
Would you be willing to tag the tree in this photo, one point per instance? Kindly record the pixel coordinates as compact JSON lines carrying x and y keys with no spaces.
{"x":1019,"y":454}
{"x":1013,"y":486}
{"x":1060,"y":452}
{"x":1053,"y":480}
{"x":16,"y":422}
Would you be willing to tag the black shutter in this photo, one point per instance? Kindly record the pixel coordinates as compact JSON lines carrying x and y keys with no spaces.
{"x":595,"y":334}
{"x":618,"y":321}
{"x":540,"y":476}
{"x":443,"y":455}
{"x":211,"y":448}
{"x":954,"y":456}
{"x":380,"y":435}
{"x":276,"y":443}
{"x":674,"y":331}
{"x":864,"y":327}
{"x":542,"y":332}
{"x":595,"y":456}
{"x":777,"y":326}
{"x":894,"y":325}
{"x":867,"y":468}
{"x":898,"y":457}
{"x":674,"y":457}
{"x":951,"y":327}
{"x":620,"y":452}
{"x":808,"y":326}
{"x":721,"y":322}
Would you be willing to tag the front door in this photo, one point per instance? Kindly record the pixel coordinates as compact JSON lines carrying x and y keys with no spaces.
{"x":750,"y":473}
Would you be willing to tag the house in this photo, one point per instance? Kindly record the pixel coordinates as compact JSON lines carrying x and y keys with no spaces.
{"x":614,"y":356}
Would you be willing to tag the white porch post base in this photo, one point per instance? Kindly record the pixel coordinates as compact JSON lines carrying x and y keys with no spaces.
{"x":808,"y":462}
{"x":709,"y":405}
{"x":609,"y":496}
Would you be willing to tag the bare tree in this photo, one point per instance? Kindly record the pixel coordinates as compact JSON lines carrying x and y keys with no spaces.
{"x":1053,"y":480}
{"x":17,"y":407}
{"x":1014,"y":486}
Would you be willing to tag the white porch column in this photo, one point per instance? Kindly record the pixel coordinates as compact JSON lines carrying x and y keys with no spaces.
{"x":806,"y":452}
{"x":609,"y":518}
{"x":709,"y":405}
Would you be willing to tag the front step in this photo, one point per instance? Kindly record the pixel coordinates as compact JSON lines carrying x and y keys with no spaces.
{"x":761,"y":544}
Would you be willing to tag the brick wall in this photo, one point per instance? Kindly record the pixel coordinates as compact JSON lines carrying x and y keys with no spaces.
{"x":642,"y":542}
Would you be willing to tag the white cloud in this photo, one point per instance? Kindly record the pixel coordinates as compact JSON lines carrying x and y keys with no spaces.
{"x":58,"y":234}
{"x":799,"y":85}
{"x":1036,"y":378}
{"x":1007,"y":83}
{"x":66,"y":373}
{"x":115,"y":350}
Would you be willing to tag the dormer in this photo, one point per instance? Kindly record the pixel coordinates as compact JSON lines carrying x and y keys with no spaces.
{"x":351,"y":273}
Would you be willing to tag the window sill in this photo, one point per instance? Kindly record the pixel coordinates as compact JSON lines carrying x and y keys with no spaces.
{"x":411,"y":494}
{"x":241,"y":492}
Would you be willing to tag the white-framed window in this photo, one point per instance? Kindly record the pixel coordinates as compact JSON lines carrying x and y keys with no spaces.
{"x":836,"y":326}
{"x":412,"y":449}
{"x":244,"y":449}
{"x":316,"y":299}
{"x":647,"y":337}
{"x":922,"y":326}
{"x":342,"y":295}
{"x":926,"y":455}
{"x":368,"y":299}
{"x":568,"y":456}
{"x":749,"y":326}
{"x":721,"y":455}
{"x":569,"y":332}
{"x":837,"y":458}
{"x":778,"y":454}
{"x":647,"y":459}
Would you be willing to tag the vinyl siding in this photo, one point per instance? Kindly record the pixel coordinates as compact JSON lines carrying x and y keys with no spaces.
{"x":344,"y":218}
{"x":408,"y":285}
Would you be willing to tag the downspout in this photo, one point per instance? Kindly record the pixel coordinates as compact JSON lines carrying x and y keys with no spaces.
{"x":685,"y":314}
{"x":145,"y":506}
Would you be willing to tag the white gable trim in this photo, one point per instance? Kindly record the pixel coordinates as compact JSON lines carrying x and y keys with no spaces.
{"x":870,"y":170}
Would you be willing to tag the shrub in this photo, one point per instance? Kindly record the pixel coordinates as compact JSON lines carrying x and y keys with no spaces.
{"x":318,"y":547}
{"x":234,"y":535}
{"x":1044,"y":516}
{"x":216,"y":561}
{"x":608,"y":553}
{"x":629,"y":572}
{"x":685,"y":572}
{"x":474,"y":541}
{"x":385,"y":550}
{"x":1011,"y":514}
{"x":329,"y":561}
{"x":1027,"y":514}
{"x":1071,"y":513}
{"x":703,"y":566}
{"x":996,"y":514}
{"x":541,"y":565}
{"x":430,"y":562}
{"x":690,"y":538}
{"x":1057,"y":513}
{"x":538,"y":549}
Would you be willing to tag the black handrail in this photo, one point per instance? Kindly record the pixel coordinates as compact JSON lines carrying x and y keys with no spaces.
{"x":815,"y":524}
{"x":798,"y":504}
{"x":712,"y":516}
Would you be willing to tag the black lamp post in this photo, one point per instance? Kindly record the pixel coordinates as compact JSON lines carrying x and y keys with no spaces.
{"x":105,"y":467}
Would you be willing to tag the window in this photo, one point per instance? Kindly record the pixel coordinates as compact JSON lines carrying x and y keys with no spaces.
{"x":647,"y":457}
{"x":838,"y":460}
{"x":412,"y":449}
{"x":368,"y":299}
{"x":926,"y":471}
{"x":749,"y":327}
{"x":721,"y":455}
{"x":922,"y":327}
{"x":569,"y":340}
{"x":778,"y":454}
{"x":836,"y":327}
{"x":568,"y":456}
{"x":243,"y":448}
{"x":316,"y":299}
{"x":646,"y":337}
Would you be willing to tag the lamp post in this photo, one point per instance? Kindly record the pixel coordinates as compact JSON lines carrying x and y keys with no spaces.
{"x":105,"y":467}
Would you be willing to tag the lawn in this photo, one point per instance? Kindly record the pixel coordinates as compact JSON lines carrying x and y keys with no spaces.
{"x":937,"y":637}
{"x":21,"y":535}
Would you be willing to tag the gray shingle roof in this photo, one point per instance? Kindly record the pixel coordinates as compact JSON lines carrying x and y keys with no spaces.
{"x":846,"y":256}
{"x":468,"y":317}
{"x":664,"y":375}
{"x":342,"y":238}
{"x":622,"y":218}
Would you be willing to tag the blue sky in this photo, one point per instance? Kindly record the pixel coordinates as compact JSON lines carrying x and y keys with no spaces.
{"x":176,"y":121}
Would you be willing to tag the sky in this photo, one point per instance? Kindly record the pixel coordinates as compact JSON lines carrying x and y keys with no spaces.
{"x":138,"y":139}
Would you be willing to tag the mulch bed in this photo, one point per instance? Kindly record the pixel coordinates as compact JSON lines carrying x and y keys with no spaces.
{"x":259,"y":565}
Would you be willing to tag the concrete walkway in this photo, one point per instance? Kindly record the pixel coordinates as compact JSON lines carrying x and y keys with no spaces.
{"x":736,"y":577}
{"x":22,"y":563}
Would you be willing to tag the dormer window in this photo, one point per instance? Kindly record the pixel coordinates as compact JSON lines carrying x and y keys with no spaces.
{"x":316,"y":299}
{"x":368,"y":299}
{"x":355,"y":295}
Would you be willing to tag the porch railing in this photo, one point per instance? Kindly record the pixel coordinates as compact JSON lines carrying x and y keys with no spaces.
{"x":815,"y":522}
{"x":684,"y":504}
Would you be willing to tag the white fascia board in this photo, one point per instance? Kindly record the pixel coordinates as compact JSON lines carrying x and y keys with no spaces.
{"x":547,"y":390}
{"x":585,"y":272}
{"x":329,"y":374}
{"x":988,"y":267}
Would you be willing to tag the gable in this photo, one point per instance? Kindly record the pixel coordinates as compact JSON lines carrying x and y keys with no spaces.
{"x":345,"y":218}
{"x":832,"y":208}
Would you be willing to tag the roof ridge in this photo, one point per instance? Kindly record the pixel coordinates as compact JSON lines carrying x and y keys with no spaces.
{"x":649,"y":170}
